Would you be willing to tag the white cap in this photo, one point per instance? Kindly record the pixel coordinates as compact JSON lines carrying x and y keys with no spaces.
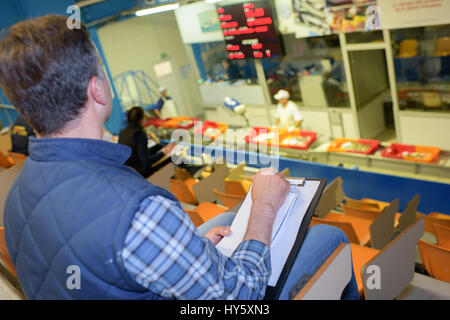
{"x":281,"y":94}
{"x":161,"y":89}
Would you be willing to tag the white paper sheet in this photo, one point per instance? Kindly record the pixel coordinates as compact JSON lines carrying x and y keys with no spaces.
{"x":286,"y":225}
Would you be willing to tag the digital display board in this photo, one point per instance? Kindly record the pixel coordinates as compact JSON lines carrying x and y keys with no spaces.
{"x":249,"y":30}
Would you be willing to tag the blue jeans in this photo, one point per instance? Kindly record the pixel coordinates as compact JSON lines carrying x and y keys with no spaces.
{"x":319,"y":244}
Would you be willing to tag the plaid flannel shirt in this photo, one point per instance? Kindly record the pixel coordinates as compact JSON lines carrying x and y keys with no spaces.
{"x":165,"y":254}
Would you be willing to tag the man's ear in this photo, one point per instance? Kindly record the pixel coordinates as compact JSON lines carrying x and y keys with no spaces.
{"x":96,"y":90}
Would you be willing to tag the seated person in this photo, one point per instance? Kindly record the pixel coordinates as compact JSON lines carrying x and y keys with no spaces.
{"x":142,"y":158}
{"x":81,"y":225}
{"x":20,"y":133}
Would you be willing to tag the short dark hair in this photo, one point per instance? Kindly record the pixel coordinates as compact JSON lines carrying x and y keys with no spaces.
{"x":45,"y":69}
{"x":135,"y":115}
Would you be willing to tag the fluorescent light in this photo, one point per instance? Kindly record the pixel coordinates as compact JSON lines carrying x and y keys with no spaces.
{"x":212,"y":1}
{"x":163,"y":8}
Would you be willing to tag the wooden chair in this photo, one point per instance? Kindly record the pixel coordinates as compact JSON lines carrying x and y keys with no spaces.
{"x":330,"y":280}
{"x":436,"y":260}
{"x":432,"y":220}
{"x":204,"y":189}
{"x":363,"y":204}
{"x":378,"y":233}
{"x":5,"y":260}
{"x":442,"y":235}
{"x":332,"y":196}
{"x":390,"y":271}
{"x":409,"y":214}
{"x":228,"y":200}
{"x":7,"y":178}
{"x":9,"y":159}
{"x":161,"y":178}
{"x":205,"y":211}
{"x":237,"y":187}
{"x":363,"y":213}
{"x":182,"y":190}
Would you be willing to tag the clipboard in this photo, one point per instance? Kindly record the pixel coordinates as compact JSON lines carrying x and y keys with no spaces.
{"x":292,"y":233}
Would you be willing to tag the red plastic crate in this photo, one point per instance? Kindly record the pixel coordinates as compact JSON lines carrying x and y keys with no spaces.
{"x":255,"y":132}
{"x":297,"y":133}
{"x":411,"y":152}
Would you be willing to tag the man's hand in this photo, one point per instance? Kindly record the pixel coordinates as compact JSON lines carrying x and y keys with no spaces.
{"x":168,"y":149}
{"x":217,"y":233}
{"x":269,"y":191}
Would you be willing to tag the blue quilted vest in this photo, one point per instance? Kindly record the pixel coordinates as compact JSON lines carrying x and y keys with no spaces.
{"x":67,"y":215}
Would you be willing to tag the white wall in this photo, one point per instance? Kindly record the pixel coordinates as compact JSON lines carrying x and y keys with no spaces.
{"x":427,"y":129}
{"x":138,"y":43}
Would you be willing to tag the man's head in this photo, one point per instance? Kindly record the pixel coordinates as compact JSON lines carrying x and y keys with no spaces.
{"x":163,"y":91}
{"x":282,"y":96}
{"x":52,"y":74}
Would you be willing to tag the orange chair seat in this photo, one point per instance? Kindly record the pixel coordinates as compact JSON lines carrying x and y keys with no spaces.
{"x":4,"y":255}
{"x":360,"y":256}
{"x":361,"y":226}
{"x":436,"y":260}
{"x":228,"y":200}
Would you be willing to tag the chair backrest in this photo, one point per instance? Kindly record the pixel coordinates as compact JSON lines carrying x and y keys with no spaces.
{"x":228,"y":200}
{"x":361,"y":204}
{"x":235,"y":187}
{"x":7,"y":178}
{"x":392,"y":269}
{"x":382,"y":229}
{"x":207,"y":210}
{"x":363,"y":213}
{"x":203,"y":189}
{"x":436,"y":260}
{"x":442,"y":47}
{"x":161,"y":178}
{"x":331,"y":197}
{"x":182,"y":190}
{"x":408,"y":48}
{"x":442,"y":235}
{"x":195,"y":217}
{"x":431,"y":221}
{"x":409,"y":215}
{"x":344,"y":226}
{"x":235,"y":173}
{"x":5,"y":161}
{"x":286,"y":172}
{"x":330,"y":280}
{"x":5,"y":260}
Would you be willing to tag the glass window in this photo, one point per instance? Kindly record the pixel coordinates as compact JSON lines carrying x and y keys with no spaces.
{"x":312,"y":71}
{"x":422,"y":67}
{"x":213,"y":65}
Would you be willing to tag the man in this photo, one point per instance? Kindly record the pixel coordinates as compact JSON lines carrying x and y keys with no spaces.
{"x":165,"y":107}
{"x":287,"y":115}
{"x":81,"y":225}
{"x":21,"y":131}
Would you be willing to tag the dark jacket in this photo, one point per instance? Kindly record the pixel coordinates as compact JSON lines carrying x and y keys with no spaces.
{"x":141,"y":157}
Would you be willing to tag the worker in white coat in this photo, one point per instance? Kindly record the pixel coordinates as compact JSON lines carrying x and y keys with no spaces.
{"x":287,"y":115}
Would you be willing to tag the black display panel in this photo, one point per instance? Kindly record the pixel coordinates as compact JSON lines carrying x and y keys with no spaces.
{"x":249,"y":30}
